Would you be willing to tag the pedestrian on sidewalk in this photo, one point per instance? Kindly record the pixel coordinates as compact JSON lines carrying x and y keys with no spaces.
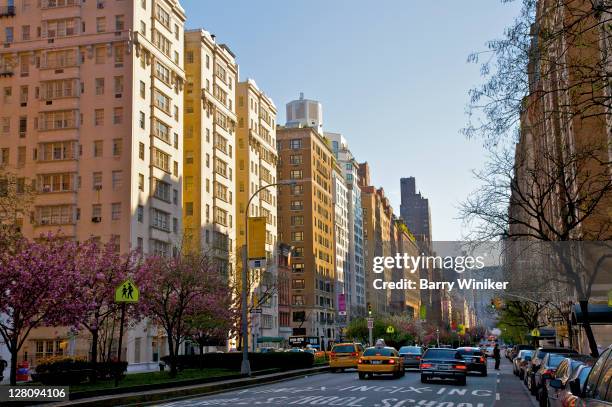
{"x":496,"y":356}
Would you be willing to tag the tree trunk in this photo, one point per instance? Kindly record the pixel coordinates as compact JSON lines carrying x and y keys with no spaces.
{"x":201,"y":349}
{"x":94,"y":353}
{"x":14,"y":351}
{"x":173,"y":367}
{"x":586,"y":324}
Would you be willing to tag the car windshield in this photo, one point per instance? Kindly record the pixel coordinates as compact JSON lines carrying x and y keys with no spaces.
{"x":441,"y":354}
{"x":344,"y":349}
{"x":524,"y":353}
{"x":378,"y":352}
{"x":410,"y":349}
{"x":470,"y":351}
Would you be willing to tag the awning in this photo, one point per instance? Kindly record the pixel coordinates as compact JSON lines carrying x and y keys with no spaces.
{"x":599,"y":314}
{"x":266,"y":339}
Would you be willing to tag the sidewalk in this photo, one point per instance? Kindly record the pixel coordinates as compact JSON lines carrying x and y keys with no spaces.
{"x":510,"y":389}
{"x":175,"y":393}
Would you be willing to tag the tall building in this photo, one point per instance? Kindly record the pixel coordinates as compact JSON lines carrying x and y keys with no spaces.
{"x":377,"y":238}
{"x":91,"y":116}
{"x":209,"y":148}
{"x":354,"y":269}
{"x":256,"y":159}
{"x":306,"y":222}
{"x":341,"y":242}
{"x":414,"y":210}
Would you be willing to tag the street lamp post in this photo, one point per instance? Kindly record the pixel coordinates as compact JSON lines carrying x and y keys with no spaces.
{"x":438,"y":336}
{"x":245,"y":368}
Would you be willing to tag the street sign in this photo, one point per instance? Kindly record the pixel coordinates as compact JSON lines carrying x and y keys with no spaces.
{"x":127,"y":292}
{"x":342,"y":313}
{"x":535,"y":332}
{"x":370,"y":323}
{"x":256,"y":311}
{"x":390,"y":329}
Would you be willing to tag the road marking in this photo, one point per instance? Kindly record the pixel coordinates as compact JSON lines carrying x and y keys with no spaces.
{"x":497,"y":396}
{"x":498,"y":380}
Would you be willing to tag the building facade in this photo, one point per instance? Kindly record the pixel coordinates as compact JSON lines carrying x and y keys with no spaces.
{"x":209,"y":149}
{"x":92,"y":113}
{"x":306,"y":222}
{"x":256,"y":159}
{"x":414,"y":209}
{"x":354,"y":274}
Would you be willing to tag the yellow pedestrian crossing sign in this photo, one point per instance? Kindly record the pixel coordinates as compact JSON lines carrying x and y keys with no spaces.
{"x":390,"y":329}
{"x":127,"y":292}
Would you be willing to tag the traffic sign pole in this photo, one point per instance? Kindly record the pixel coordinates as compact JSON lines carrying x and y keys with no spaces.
{"x":370,"y":327}
{"x":120,"y":341}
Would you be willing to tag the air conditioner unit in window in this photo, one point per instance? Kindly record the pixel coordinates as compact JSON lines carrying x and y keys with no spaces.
{"x":46,"y":188}
{"x":96,"y":219}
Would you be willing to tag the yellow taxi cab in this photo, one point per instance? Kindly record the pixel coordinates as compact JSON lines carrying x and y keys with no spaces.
{"x":344,"y":356}
{"x":380,"y":359}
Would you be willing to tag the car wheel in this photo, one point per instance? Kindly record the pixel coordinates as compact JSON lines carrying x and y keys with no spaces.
{"x":532,"y":388}
{"x":483,"y":373}
{"x":333,"y":370}
{"x":403,"y":373}
{"x":361,"y":375}
{"x":462,"y":381}
{"x":424,"y":379}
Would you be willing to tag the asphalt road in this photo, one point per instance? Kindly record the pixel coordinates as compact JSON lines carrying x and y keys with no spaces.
{"x":498,"y":389}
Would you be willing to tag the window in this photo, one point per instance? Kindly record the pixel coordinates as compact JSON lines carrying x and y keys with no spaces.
{"x":6,"y":125}
{"x":162,"y":101}
{"x":60,"y":182}
{"x":141,"y":120}
{"x":140,"y":213}
{"x":297,"y":236}
{"x":298,"y":284}
{"x":297,"y":300}
{"x":117,"y":179}
{"x":297,"y":205}
{"x":189,"y":208}
{"x":54,"y":215}
{"x":141,"y":151}
{"x":188,"y":157}
{"x":296,"y":174}
{"x":119,"y":22}
{"x":100,"y":24}
{"x":141,"y":182}
{"x":116,"y":211}
{"x":25,"y":32}
{"x":160,"y":219}
{"x":117,"y":115}
{"x":63,"y":150}
{"x":99,"y":117}
{"x":297,"y":220}
{"x":142,"y":89}
{"x":220,"y":216}
{"x":117,"y":147}
{"x":161,"y":131}
{"x":162,"y":15}
{"x":295,"y":159}
{"x":176,"y":31}
{"x":161,"y":160}
{"x":23,"y":125}
{"x":297,"y":189}
{"x":143,"y":28}
{"x":99,"y":86}
{"x":59,"y":119}
{"x":100,"y":56}
{"x":297,"y":267}
{"x":8,"y":34}
{"x":98,"y":148}
{"x":96,"y":211}
{"x":161,"y":72}
{"x":161,"y":42}
{"x":160,"y":248}
{"x":189,"y":57}
{"x":118,"y":81}
{"x":119,"y":51}
{"x":161,"y":190}
{"x":295,"y":144}
{"x":220,"y":167}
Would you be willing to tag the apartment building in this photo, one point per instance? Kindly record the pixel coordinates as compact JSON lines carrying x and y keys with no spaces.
{"x":341,"y":240}
{"x":306,"y":222}
{"x":91,"y":116}
{"x":377,"y":236}
{"x":256,"y":159}
{"x":209,"y":148}
{"x":354,"y":271}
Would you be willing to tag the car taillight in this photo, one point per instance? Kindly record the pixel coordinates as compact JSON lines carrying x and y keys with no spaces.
{"x":425,"y":365}
{"x":482,"y":359}
{"x":548,"y":372}
{"x":391,"y":361}
{"x":332,"y":354}
{"x":360,"y":360}
{"x":461,"y":367}
{"x":418,"y":358}
{"x":354,"y":354}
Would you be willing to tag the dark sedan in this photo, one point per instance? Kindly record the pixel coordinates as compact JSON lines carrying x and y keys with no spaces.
{"x":443,"y":364}
{"x":412,"y":356}
{"x":474,"y":358}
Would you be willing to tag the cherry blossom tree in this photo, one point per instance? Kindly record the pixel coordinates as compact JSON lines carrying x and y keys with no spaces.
{"x":39,"y":286}
{"x":176,"y":291}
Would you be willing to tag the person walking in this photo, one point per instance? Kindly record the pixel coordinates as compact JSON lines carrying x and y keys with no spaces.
{"x":496,"y":356}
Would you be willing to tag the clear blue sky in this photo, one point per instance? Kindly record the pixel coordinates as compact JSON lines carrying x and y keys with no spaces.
{"x":392,"y":77}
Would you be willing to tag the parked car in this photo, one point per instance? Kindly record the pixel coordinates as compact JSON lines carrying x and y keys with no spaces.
{"x":475,"y":359}
{"x":536,"y":361}
{"x":443,"y":363}
{"x":597,"y":388}
{"x":521,"y":361}
{"x":412,"y":356}
{"x":547,"y":371}
{"x":558,"y":388}
{"x":517,"y":348}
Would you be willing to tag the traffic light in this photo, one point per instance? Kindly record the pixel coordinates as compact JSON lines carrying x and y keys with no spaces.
{"x":369,"y":309}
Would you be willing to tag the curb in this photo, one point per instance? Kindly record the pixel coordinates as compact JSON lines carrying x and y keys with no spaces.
{"x":184,"y":392}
